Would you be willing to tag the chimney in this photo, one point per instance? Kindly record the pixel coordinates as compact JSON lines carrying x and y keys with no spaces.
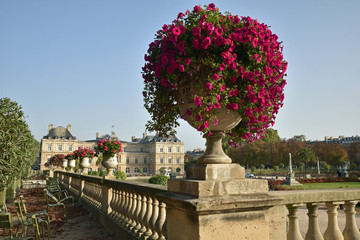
{"x":97,"y":135}
{"x":68,"y":127}
{"x":50,"y":127}
{"x":133,"y":138}
{"x":144,"y":135}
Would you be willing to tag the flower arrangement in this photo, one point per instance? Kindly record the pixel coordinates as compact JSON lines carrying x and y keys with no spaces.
{"x":217,"y":61}
{"x":55,"y":160}
{"x":83,"y":152}
{"x":70,"y":156}
{"x":109,"y":147}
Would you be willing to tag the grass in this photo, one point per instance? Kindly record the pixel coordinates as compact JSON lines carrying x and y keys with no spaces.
{"x":332,"y":185}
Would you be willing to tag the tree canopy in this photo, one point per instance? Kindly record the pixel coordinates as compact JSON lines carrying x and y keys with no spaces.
{"x":18,"y":148}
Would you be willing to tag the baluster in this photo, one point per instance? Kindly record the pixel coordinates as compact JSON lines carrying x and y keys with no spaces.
{"x":122,"y":206}
{"x":148,"y":215}
{"x":154,"y":218}
{"x":137,"y":213}
{"x":118,"y":205}
{"x":130,"y":210}
{"x":351,"y":231}
{"x":133,"y":212}
{"x":294,"y":230}
{"x":142,"y":216}
{"x":313,"y":232}
{"x":160,"y":223}
{"x":113,"y":208}
{"x":333,"y":232}
{"x":126,"y":209}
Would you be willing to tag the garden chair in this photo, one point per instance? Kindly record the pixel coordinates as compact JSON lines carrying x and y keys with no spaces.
{"x":7,"y":225}
{"x":3,"y":208}
{"x":58,"y":201}
{"x":53,"y":185}
{"x":27,"y":217}
{"x":39,"y":231}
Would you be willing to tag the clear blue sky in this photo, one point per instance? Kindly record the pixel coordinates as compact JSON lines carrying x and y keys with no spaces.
{"x":79,"y":63}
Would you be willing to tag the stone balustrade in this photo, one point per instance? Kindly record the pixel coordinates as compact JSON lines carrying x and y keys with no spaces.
{"x":139,"y":211}
{"x":311,"y":199}
{"x":131,"y":211}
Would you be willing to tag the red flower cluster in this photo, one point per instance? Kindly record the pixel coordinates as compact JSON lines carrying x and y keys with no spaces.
{"x":109,"y":147}
{"x":228,"y":61}
{"x":81,"y":153}
{"x":55,"y":160}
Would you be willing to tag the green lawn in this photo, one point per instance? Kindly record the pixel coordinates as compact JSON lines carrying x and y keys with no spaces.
{"x":333,"y":185}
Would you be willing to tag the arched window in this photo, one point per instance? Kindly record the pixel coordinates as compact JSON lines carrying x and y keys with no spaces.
{"x":127,"y":170}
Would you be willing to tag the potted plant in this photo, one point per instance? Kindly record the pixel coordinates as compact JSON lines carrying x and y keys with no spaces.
{"x":213,"y":70}
{"x":109,"y":148}
{"x":55,"y":161}
{"x":84,"y":154}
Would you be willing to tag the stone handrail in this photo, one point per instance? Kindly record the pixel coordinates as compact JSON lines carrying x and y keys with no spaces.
{"x":130,"y":210}
{"x":332,"y":198}
{"x":139,"y":210}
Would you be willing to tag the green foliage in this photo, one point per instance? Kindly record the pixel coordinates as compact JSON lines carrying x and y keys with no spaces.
{"x":327,"y":167}
{"x":178,"y":170}
{"x":159,"y":179}
{"x":281,"y":165}
{"x":353,"y":166}
{"x":162,"y":170}
{"x":276,"y":168}
{"x":252,"y":169}
{"x":94,"y":173}
{"x":262,"y":166}
{"x":18,"y":148}
{"x":102,"y":172}
{"x":120,"y":175}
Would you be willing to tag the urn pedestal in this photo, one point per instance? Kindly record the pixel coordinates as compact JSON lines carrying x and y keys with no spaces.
{"x":72,"y":163}
{"x":85,"y":164}
{"x":64,"y":164}
{"x":109,"y":163}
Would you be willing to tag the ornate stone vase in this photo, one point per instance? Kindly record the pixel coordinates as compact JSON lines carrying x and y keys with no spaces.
{"x":72,"y":163}
{"x":109,"y":163}
{"x":85,"y":164}
{"x":64,"y":163}
{"x":227,"y":120}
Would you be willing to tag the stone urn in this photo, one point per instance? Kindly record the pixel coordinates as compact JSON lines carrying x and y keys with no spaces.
{"x":85,"y":164}
{"x":64,"y":163}
{"x":214,"y":163}
{"x":109,"y":162}
{"x":72,"y":163}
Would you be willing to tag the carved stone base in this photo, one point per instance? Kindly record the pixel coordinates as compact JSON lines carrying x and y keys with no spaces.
{"x":215,"y":171}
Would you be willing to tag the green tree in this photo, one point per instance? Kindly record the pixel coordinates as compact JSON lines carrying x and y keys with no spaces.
{"x":18,"y":148}
{"x":252,"y":169}
{"x":276,"y":168}
{"x":178,"y":170}
{"x":307,"y":156}
{"x":120,"y":175}
{"x":159,"y":179}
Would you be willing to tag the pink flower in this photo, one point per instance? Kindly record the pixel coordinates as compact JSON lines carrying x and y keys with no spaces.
{"x":232,"y":106}
{"x":181,"y":68}
{"x":176,"y":31}
{"x":188,"y":112}
{"x":197,"y":101}
{"x":223,"y":88}
{"x":217,"y":105}
{"x":209,"y":86}
{"x":197,"y":9}
{"x":216,"y":122}
{"x":200,"y":128}
{"x":198,"y":117}
{"x":187,"y":61}
{"x":215,"y":76}
{"x":163,"y":82}
{"x":206,"y":124}
{"x":165,"y":28}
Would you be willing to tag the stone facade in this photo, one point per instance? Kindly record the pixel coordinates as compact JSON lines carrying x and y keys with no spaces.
{"x":149,"y":153}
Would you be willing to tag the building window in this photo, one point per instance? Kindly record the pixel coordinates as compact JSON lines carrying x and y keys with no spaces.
{"x":60,"y":147}
{"x":169,"y":160}
{"x":144,"y":170}
{"x":169,"y":149}
{"x":70,"y":148}
{"x":145,"y":160}
{"x":48,"y":159}
{"x":49,"y":147}
{"x":136,"y":170}
{"x":177,"y":149}
{"x":127,"y":170}
{"x":124,"y":149}
{"x":161,"y":149}
{"x":141,"y":150}
{"x":161,"y":160}
{"x":127,"y":160}
{"x":136,"y":160}
{"x":178,"y":160}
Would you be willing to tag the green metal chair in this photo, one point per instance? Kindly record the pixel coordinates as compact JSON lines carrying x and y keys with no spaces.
{"x":38,"y":224}
{"x":28,"y":216}
{"x":57,"y":201}
{"x":7,"y":225}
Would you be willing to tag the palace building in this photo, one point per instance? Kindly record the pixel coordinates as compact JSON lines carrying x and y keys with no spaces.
{"x":149,"y":153}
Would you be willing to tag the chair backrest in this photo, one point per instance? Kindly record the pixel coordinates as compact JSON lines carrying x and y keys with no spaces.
{"x":6,"y":223}
{"x":49,"y":195}
{"x":19,"y":212}
{"x":22,"y":201}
